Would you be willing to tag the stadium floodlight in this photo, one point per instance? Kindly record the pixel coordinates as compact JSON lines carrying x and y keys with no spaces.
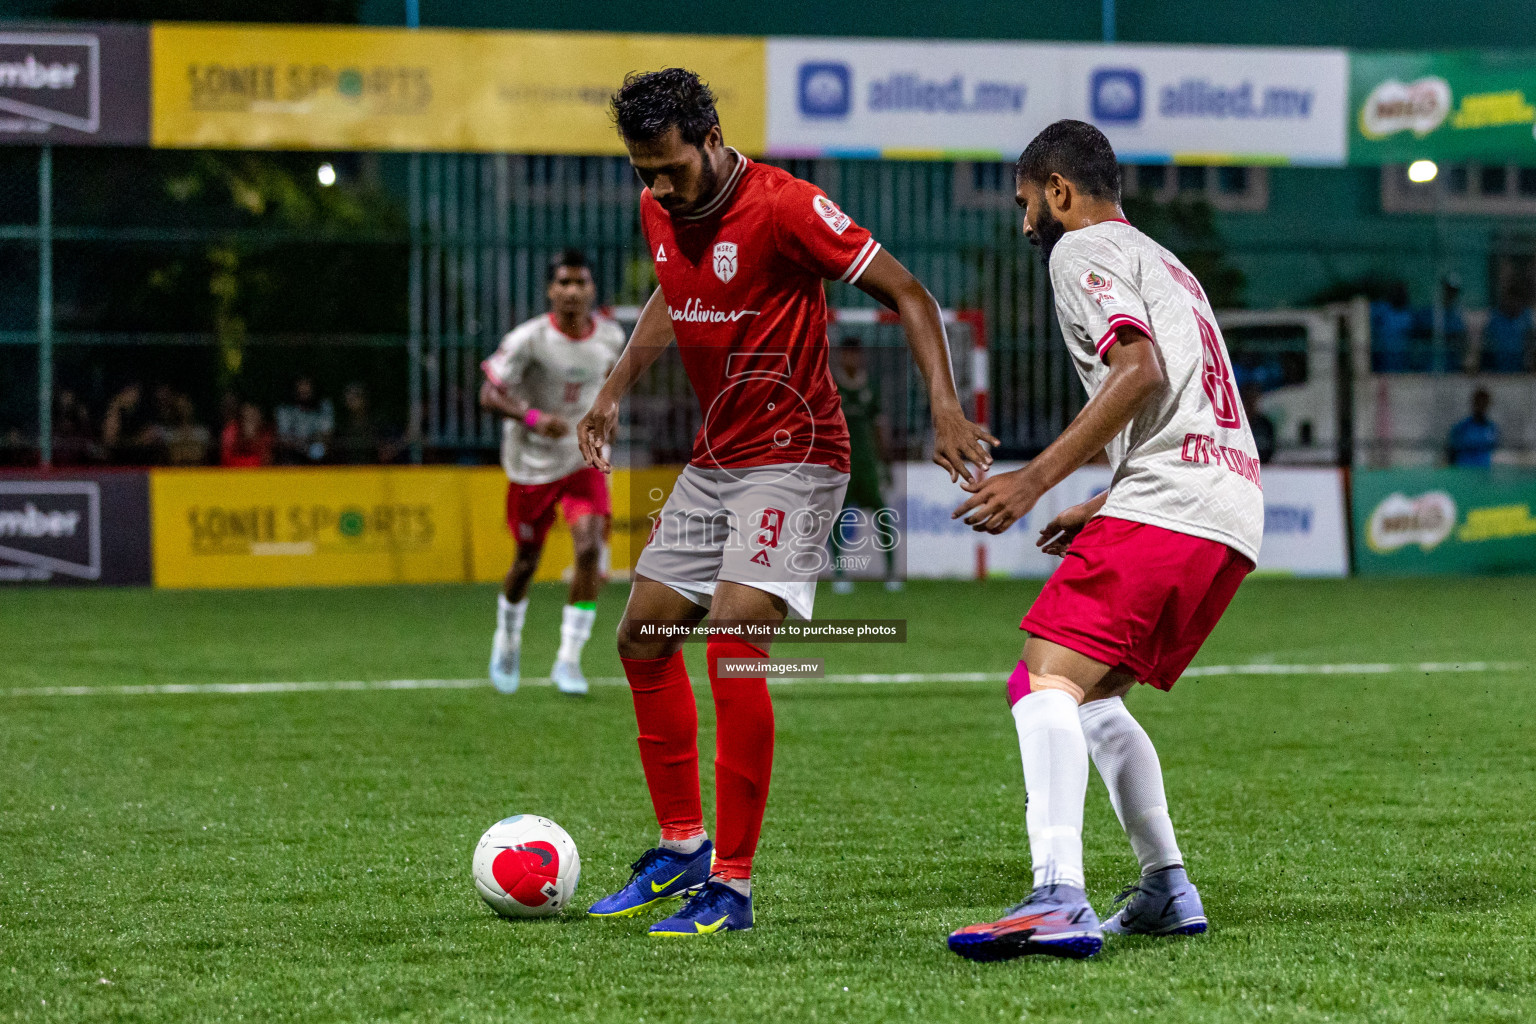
{"x":327,"y":175}
{"x":1421,"y":172}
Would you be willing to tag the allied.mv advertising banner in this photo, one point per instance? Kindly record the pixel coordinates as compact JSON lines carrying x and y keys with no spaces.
{"x":966,"y":100}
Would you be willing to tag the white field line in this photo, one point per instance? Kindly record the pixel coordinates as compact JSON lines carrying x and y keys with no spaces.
{"x":327,"y":686}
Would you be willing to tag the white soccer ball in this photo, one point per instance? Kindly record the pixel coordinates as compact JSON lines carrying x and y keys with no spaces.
{"x":526,"y":866}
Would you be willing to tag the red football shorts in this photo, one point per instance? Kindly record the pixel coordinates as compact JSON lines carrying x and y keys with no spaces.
{"x":531,"y":507}
{"x":1137,"y":597}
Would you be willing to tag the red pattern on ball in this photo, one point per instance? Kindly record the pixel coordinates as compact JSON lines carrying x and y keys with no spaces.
{"x":524,"y":870}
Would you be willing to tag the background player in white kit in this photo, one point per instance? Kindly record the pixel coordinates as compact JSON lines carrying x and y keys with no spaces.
{"x":1148,"y":567}
{"x":542,"y":378}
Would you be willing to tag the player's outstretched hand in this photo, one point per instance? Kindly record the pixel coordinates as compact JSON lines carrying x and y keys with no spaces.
{"x":1059,"y":533}
{"x":998,"y":502}
{"x":956,"y":441}
{"x":594,"y":430}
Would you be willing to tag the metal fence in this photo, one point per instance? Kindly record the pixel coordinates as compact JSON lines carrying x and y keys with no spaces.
{"x":463,"y":241}
{"x":484,"y":228}
{"x":232,"y":273}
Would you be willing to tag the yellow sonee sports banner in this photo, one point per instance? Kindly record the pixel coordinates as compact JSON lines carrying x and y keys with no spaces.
{"x":637,"y":495}
{"x":345,"y":527}
{"x":281,"y":87}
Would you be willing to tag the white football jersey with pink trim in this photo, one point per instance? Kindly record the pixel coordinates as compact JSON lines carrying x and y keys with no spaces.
{"x":555,"y":374}
{"x":1187,"y":462}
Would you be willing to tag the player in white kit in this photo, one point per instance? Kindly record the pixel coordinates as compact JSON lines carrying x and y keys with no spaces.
{"x":543,"y":378}
{"x":1148,"y":567}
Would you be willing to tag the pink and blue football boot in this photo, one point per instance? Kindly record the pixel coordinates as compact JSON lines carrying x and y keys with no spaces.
{"x":1056,"y":920}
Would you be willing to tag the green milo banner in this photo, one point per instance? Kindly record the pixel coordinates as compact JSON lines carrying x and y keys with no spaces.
{"x":1452,"y":105}
{"x":1424,"y":521}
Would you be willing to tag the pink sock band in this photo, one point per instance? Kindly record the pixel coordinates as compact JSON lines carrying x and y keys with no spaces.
{"x":1018,"y":684}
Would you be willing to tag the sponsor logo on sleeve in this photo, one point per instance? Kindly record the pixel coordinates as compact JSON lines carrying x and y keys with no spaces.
{"x":1115,"y":95}
{"x":826,"y":89}
{"x":1100,"y":289}
{"x":827,"y":210}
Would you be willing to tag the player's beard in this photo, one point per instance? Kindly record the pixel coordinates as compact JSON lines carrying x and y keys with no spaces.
{"x":709,"y":183}
{"x":1046,"y":234}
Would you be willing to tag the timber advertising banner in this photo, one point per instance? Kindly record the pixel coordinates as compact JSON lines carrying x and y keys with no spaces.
{"x":287,"y":87}
{"x":77,"y":529}
{"x":1454,"y":105}
{"x":1429,"y":521}
{"x":74,"y":85}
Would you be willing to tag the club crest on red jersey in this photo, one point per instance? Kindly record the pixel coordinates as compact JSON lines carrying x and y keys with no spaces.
{"x":725,"y":260}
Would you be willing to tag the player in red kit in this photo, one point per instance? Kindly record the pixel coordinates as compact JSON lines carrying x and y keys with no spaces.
{"x":741,"y":250}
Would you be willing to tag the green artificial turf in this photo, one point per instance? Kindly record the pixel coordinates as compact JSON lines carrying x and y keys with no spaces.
{"x":1363,"y":843}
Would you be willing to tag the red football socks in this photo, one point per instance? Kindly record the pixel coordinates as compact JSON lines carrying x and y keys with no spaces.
{"x":669,"y":742}
{"x":743,"y":757}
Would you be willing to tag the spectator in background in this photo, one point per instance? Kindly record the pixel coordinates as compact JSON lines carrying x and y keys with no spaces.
{"x":1391,"y":321}
{"x":1262,"y":426}
{"x":246,"y":440}
{"x":229,"y":410}
{"x":1473,"y":440}
{"x":1422,"y":353}
{"x":127,"y":432}
{"x":185,"y":441}
{"x":358,"y":441}
{"x":74,"y":439}
{"x":304,"y":428}
{"x":1508,"y":335}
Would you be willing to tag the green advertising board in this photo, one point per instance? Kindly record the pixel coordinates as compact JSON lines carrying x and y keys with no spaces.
{"x":1452,"y":105}
{"x":1418,"y":522}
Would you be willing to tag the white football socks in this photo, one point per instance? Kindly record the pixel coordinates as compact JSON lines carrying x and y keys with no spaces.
{"x":509,"y":620}
{"x":687,"y":847}
{"x":1128,"y":764}
{"x":1056,"y":781}
{"x":575,"y":629}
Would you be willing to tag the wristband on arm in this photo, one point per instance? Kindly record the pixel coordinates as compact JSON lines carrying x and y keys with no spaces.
{"x":531,"y":419}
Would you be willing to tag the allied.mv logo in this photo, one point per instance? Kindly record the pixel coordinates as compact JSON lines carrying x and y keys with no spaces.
{"x":725,"y":260}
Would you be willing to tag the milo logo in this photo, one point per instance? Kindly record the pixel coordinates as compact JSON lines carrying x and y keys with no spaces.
{"x":1399,"y":520}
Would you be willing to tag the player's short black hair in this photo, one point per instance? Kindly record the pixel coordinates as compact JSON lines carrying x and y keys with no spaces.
{"x":650,"y":104}
{"x":573,"y":258}
{"x":1077,"y":151}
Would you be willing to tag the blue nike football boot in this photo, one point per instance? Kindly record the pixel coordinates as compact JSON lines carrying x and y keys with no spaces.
{"x":715,"y":908}
{"x":1056,"y":920}
{"x":658,"y":875}
{"x":1162,"y":903}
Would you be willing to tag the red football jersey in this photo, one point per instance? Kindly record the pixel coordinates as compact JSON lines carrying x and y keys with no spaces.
{"x":742,"y":282}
